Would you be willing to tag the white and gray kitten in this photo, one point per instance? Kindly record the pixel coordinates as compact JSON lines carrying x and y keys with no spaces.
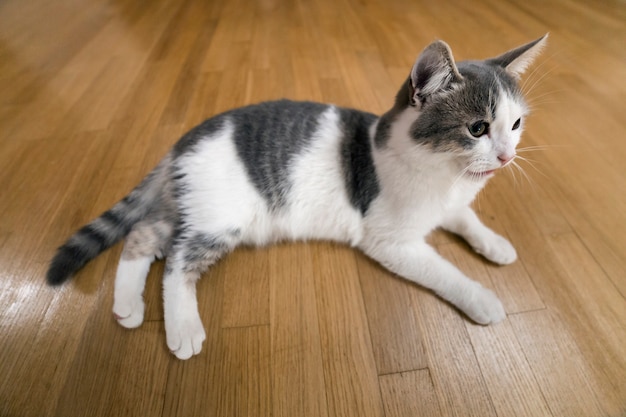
{"x":299,"y":170}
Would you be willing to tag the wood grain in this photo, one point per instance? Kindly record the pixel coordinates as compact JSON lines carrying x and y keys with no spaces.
{"x":396,"y":338}
{"x":567,"y":393}
{"x":349,"y":366}
{"x":298,"y":385}
{"x":408,"y":394}
{"x":246,"y":290}
{"x":457,"y":377}
{"x":94,"y":93}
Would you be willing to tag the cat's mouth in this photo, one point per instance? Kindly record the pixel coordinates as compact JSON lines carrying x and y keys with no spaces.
{"x":480,"y":175}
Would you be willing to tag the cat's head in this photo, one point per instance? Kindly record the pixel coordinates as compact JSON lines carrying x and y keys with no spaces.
{"x":471,"y":112}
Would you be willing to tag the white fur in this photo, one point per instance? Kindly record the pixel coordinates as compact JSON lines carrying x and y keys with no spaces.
{"x":504,"y":139}
{"x":220,"y":196}
{"x":422,"y":190}
{"x":130,"y":280}
{"x":318,"y":206}
{"x":183,"y":328}
{"x":219,"y":199}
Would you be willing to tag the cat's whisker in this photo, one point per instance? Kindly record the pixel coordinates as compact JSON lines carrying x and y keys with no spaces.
{"x":528,"y":178}
{"x":530,"y":161}
{"x":536,"y":83}
{"x":530,"y":77}
{"x":536,"y":104}
{"x":532,"y":164}
{"x":534,"y":148}
{"x":478,"y":200}
{"x":512,"y":171}
{"x":533,"y":106}
{"x":535,"y":71}
{"x":458,"y":177}
{"x":549,"y":97}
{"x":543,"y":94}
{"x":539,"y":148}
{"x":537,"y":75}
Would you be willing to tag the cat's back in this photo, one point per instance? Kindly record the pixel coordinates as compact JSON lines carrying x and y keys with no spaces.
{"x":284,"y":169}
{"x":263,"y":127}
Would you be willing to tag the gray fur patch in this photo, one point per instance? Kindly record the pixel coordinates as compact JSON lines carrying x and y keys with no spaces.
{"x":356,"y":156}
{"x":442,"y":123}
{"x":202,"y":250}
{"x":383,"y":130}
{"x":188,"y":142}
{"x":268,"y":136}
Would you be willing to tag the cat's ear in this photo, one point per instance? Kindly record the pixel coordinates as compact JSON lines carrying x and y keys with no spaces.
{"x":517,"y":60}
{"x":433,"y":72}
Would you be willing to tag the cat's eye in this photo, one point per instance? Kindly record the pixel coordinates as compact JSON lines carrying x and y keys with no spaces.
{"x":516,"y":124}
{"x":479,"y":128}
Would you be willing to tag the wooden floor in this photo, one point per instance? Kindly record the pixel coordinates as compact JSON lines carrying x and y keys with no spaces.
{"x":94,"y":92}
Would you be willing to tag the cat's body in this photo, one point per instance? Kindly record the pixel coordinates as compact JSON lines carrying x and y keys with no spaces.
{"x":297,"y":170}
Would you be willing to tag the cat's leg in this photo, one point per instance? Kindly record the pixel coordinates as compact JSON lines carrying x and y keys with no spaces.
{"x":145,"y":242}
{"x":189,"y":259}
{"x":485,"y":241}
{"x":183,"y":326}
{"x":420,"y":263}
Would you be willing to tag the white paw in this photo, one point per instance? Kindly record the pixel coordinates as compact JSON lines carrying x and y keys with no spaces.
{"x":128,"y":311}
{"x":130,"y":281}
{"x":497,"y":249}
{"x":185,"y":336}
{"x":484,"y":307}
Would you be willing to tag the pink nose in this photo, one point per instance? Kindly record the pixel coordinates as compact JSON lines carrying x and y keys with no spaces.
{"x":505,"y":159}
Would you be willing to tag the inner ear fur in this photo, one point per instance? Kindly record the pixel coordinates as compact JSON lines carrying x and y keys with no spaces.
{"x":517,"y":61}
{"x":433,"y":71}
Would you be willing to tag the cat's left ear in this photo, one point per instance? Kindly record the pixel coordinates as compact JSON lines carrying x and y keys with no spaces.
{"x":517,"y":60}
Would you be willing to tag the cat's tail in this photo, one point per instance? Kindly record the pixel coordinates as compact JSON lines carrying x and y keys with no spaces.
{"x":108,"y":229}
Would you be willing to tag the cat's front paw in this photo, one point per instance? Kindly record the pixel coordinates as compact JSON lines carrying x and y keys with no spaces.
{"x":484,"y":307}
{"x":497,"y":249}
{"x":185,"y":336}
{"x":128,"y":311}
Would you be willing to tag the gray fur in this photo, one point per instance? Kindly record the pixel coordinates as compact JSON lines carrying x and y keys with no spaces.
{"x":356,"y":154}
{"x":383,"y":129}
{"x":201,"y":249}
{"x":199,"y":133}
{"x":442,"y":123}
{"x":444,"y":117}
{"x":268,"y":136}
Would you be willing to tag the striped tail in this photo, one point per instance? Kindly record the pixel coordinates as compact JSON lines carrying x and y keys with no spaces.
{"x":108,"y":229}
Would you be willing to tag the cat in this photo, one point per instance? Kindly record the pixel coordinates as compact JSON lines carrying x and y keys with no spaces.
{"x":286,"y":170}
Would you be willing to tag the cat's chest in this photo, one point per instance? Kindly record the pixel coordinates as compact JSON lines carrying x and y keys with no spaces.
{"x":418,"y":210}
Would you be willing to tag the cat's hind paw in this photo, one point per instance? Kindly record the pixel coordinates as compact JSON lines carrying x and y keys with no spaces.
{"x":129,"y":311}
{"x":484,"y":307}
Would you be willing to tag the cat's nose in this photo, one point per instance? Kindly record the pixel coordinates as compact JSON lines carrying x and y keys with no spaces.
{"x":506,"y":158}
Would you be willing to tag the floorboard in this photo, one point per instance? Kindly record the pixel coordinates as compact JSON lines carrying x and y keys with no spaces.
{"x":95,"y":92}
